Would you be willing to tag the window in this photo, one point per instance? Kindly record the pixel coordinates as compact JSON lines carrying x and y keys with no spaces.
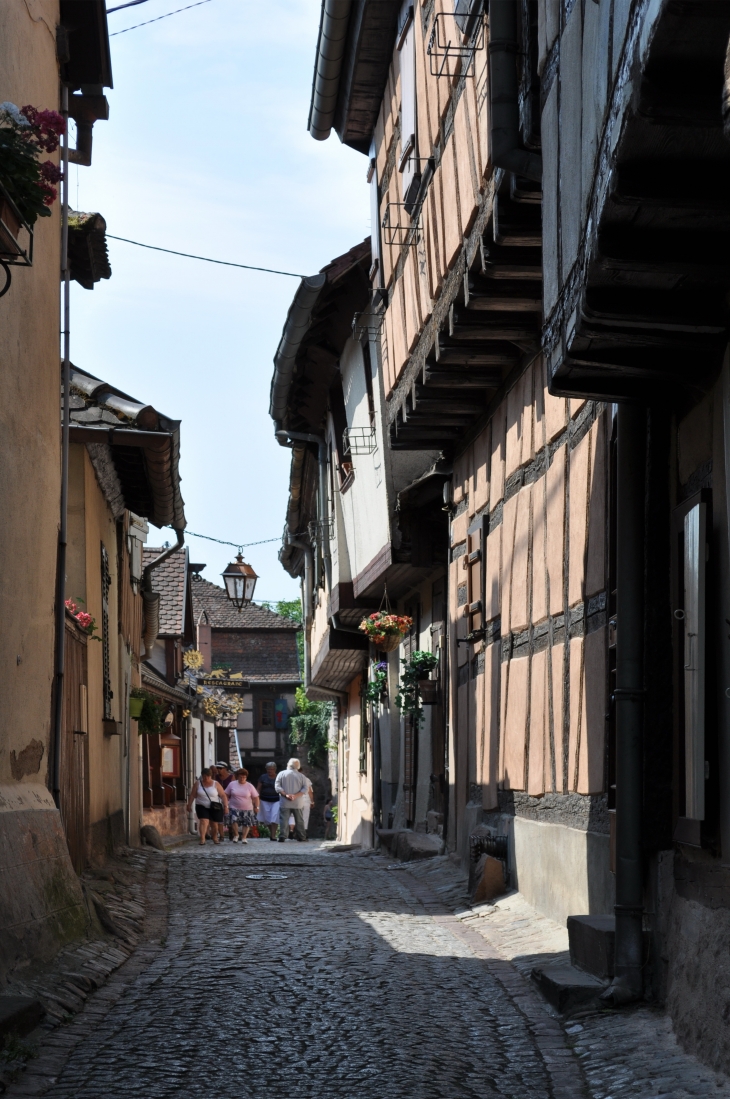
{"x":339,"y":421}
{"x":368,"y":368}
{"x":266,"y":713}
{"x":694,"y":660}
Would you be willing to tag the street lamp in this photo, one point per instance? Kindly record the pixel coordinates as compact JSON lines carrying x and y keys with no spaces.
{"x":240,"y":581}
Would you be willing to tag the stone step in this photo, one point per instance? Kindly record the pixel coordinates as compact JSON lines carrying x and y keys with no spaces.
{"x":19,"y":1014}
{"x":591,"y":941}
{"x":567,"y":987}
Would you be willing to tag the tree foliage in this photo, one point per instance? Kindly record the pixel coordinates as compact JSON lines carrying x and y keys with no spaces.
{"x":310,"y":726}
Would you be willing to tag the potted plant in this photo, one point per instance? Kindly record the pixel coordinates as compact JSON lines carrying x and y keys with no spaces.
{"x":136,"y":702}
{"x":151,"y":716}
{"x":386,"y":630}
{"x":416,"y":672}
{"x":27,"y":186}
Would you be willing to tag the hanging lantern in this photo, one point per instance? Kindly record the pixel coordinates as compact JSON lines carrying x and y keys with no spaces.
{"x":240,"y":581}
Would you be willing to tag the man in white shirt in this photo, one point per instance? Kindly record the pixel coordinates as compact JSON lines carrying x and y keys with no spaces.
{"x":291,"y":786}
{"x":308,"y":804}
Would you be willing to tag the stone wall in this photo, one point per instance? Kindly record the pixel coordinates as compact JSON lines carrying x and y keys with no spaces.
{"x":41,"y":903}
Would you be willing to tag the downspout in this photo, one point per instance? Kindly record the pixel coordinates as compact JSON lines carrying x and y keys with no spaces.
{"x":327,"y":67}
{"x":629,"y":698}
{"x":63,"y":521}
{"x":151,"y":599}
{"x":504,"y":116}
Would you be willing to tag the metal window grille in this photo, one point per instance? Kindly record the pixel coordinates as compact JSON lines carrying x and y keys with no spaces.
{"x":399,"y":227}
{"x":367,"y":325}
{"x":320,"y":530}
{"x":359,"y":440}
{"x":106,"y":583}
{"x":449,"y":45}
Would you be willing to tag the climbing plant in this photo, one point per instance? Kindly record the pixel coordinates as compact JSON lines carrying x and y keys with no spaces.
{"x":376,"y":689}
{"x":310,"y":726}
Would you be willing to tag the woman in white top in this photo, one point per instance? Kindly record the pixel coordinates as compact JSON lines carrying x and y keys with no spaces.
{"x":210,"y":803}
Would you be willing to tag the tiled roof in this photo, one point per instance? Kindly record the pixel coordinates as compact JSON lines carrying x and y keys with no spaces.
{"x":169,"y":580}
{"x":221,"y":614}
{"x":153,"y":680}
{"x":134,"y":448}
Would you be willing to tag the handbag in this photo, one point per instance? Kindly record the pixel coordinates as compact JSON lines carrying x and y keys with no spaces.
{"x":213,"y":804}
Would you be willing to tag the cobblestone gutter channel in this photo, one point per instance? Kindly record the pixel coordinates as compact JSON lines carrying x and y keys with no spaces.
{"x":302,"y":971}
{"x":128,"y":900}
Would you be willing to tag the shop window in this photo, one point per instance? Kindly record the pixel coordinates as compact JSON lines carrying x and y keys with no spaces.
{"x":266,"y":713}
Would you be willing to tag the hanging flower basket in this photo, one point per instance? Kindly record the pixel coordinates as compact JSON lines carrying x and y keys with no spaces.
{"x":136,"y":706}
{"x":386,"y":630}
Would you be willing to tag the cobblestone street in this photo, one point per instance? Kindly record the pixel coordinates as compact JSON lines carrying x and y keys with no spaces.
{"x":293,"y":970}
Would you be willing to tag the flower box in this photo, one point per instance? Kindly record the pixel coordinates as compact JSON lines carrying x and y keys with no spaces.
{"x":10,"y":223}
{"x":429,"y":691}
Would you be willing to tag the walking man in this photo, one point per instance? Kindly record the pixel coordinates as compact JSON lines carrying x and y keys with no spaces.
{"x":291,"y":787}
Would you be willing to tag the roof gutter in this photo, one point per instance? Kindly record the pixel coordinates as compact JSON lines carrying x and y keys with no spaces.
{"x":297,"y":322}
{"x":327,"y":67}
{"x":507,"y":151}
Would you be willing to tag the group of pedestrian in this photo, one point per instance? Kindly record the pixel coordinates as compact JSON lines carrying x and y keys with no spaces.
{"x":227,"y":800}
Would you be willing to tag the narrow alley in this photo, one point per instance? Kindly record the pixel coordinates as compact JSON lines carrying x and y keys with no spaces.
{"x":307,"y":971}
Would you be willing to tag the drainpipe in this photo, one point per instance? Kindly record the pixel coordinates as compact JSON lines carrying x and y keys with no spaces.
{"x":629,"y":698}
{"x":150,"y":598}
{"x":63,"y":522}
{"x":327,"y":67}
{"x":507,"y":151}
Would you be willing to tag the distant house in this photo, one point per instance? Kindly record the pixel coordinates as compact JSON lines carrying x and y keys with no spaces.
{"x":123,"y":475}
{"x":253,"y":652}
{"x":167,"y":765}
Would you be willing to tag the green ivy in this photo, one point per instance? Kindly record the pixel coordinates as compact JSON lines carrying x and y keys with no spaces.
{"x":310,"y":726}
{"x":417,"y":666}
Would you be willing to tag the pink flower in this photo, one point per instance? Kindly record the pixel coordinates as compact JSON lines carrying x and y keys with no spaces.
{"x":84,"y":620}
{"x":71,"y":606}
{"x":46,"y":126}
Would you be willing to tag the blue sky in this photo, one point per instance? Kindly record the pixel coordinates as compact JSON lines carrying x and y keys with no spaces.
{"x":206,"y":150}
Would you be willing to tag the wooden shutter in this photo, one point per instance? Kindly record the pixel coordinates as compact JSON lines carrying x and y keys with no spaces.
{"x":408,"y":164}
{"x":105,"y":586}
{"x":474,"y":563}
{"x":376,"y":270}
{"x":694,"y":660}
{"x":73,"y":798}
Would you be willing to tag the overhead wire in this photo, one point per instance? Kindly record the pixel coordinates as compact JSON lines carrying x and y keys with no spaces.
{"x":157,"y":19}
{"x":129,"y":4}
{"x":222,"y":542}
{"x":206,"y":259}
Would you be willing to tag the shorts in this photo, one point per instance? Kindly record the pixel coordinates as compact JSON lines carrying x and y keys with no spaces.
{"x":210,"y":812}
{"x":269,"y":812}
{"x":246,"y":818}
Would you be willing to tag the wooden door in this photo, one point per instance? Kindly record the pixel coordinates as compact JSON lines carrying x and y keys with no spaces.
{"x":74,"y":750}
